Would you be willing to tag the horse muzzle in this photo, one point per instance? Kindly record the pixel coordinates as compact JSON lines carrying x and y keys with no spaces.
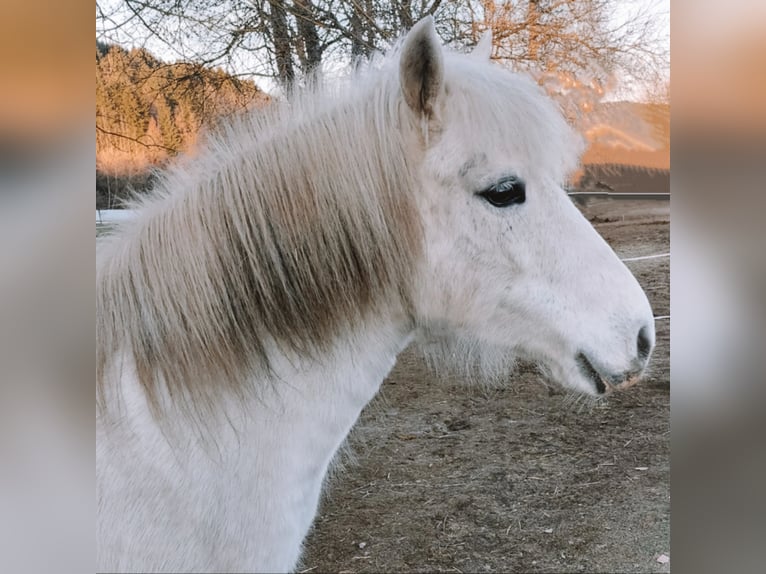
{"x":604,"y":381}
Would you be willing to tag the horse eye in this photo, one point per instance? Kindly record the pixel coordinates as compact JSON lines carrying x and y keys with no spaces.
{"x":505,"y":192}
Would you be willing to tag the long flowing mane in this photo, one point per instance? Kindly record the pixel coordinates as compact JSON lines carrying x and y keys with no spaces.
{"x":288,"y":226}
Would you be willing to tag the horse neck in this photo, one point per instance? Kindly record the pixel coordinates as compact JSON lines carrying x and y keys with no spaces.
{"x":297,"y":432}
{"x":329,"y":392}
{"x":263,"y":479}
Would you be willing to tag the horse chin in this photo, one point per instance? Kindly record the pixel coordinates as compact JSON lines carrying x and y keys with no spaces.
{"x":583,"y":375}
{"x":572,"y":376}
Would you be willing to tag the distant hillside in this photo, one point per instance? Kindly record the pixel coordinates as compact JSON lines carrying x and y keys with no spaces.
{"x":623,"y":178}
{"x":148,"y":110}
{"x":628,"y":149}
{"x":629,"y":133}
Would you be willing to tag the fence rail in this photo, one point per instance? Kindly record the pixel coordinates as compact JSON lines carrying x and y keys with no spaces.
{"x":617,"y":195}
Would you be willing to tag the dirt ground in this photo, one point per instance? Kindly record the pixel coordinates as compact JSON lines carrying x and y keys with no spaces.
{"x":442,"y":476}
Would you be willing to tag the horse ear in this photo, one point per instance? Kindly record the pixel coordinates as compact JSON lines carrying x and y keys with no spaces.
{"x":483,"y":50}
{"x":421,"y":68}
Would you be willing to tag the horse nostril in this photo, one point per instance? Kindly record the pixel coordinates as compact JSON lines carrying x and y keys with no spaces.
{"x":644,"y":344}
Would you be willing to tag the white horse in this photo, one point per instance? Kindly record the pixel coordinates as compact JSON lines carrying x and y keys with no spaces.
{"x":261,"y":295}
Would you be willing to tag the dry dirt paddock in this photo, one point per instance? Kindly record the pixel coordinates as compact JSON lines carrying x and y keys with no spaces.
{"x":440,"y":476}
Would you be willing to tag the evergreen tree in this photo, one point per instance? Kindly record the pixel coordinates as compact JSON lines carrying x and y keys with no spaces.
{"x":147,"y":111}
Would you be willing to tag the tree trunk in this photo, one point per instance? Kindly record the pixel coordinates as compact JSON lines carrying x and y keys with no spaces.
{"x":358,"y":48}
{"x":282,"y":45}
{"x":405,"y":14}
{"x":305,"y":14}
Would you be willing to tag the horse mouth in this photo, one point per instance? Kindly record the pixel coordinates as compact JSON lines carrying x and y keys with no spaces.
{"x":589,"y":372}
{"x":606,"y":383}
